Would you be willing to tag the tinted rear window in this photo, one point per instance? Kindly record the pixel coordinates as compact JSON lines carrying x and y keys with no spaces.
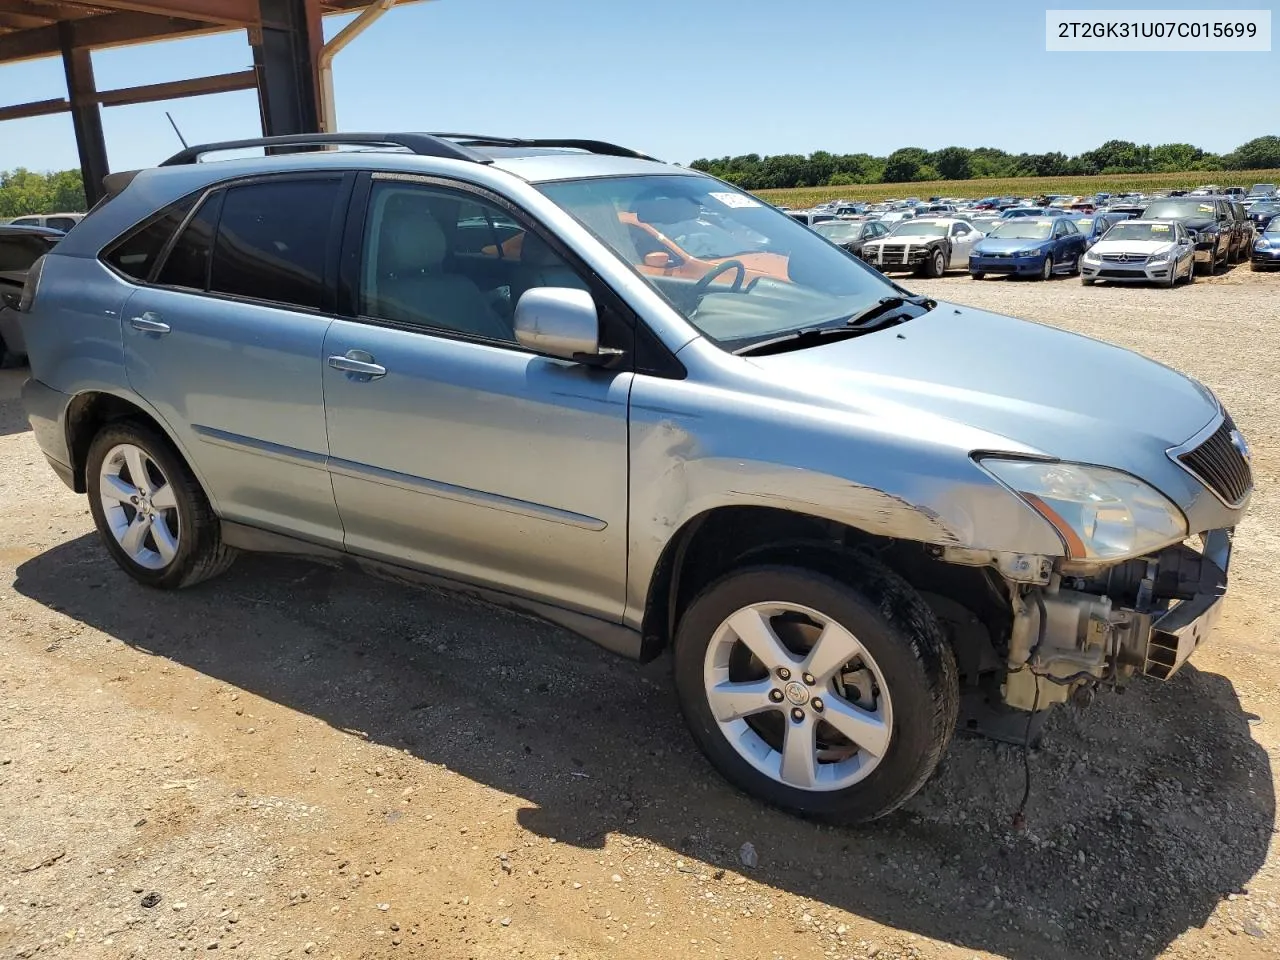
{"x":188,"y":262}
{"x":137,"y":253}
{"x":272,"y":240}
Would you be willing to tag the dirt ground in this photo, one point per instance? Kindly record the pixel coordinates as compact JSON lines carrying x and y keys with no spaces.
{"x":296,"y":761}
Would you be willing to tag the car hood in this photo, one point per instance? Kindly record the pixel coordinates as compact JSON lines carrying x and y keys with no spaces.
{"x":1005,"y":245}
{"x":1044,"y":390}
{"x":1143,"y":248}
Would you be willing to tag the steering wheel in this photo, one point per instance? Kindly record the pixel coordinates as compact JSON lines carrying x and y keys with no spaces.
{"x":701,"y":287}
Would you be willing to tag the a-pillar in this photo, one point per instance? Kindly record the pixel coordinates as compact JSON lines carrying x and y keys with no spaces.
{"x":286,"y":57}
{"x":86,"y":115}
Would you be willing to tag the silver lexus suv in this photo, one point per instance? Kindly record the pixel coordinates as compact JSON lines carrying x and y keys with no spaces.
{"x":638,"y":402}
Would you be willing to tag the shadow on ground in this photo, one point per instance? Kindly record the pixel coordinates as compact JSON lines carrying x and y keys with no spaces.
{"x":1147,"y":809}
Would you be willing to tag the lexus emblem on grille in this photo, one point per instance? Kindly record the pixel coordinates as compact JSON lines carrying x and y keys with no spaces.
{"x":1242,"y":445}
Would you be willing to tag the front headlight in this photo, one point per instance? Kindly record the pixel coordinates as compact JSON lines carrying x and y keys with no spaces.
{"x":1159,"y":257}
{"x":1101,"y":514}
{"x":1091,"y":256}
{"x":1033,"y":252}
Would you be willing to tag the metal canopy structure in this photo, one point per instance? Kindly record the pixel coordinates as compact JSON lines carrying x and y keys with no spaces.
{"x":286,"y":37}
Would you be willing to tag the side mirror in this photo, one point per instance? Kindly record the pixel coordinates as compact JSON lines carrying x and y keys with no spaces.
{"x":661,"y":260}
{"x":562,"y":322}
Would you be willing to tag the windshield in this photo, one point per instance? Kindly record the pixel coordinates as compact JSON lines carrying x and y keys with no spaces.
{"x":1273,"y":228}
{"x":840,"y":232}
{"x":796,"y":280}
{"x":1135,"y":230}
{"x":1189,"y":207}
{"x":1085,"y":224}
{"x":919,"y":228}
{"x":1023,"y":229}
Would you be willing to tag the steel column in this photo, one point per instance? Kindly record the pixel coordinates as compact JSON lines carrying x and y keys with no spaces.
{"x":86,"y":116}
{"x":286,"y":53}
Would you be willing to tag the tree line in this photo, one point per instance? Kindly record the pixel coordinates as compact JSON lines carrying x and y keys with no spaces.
{"x":910,"y":164}
{"x":25,"y":191}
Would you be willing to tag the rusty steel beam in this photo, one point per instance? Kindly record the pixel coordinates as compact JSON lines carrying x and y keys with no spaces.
{"x":113,"y":30}
{"x":37,"y":108}
{"x":86,"y":115}
{"x":22,"y":21}
{"x":174,"y":89}
{"x":231,"y":13}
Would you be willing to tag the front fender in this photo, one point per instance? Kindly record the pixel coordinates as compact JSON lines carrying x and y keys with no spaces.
{"x":696,"y":448}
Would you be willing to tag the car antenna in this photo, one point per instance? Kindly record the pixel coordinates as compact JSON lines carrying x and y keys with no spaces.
{"x":174,"y":124}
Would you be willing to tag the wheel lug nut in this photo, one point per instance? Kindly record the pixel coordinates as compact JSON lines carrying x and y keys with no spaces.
{"x":797,"y":714}
{"x":817,"y":704}
{"x":784,"y":673}
{"x":808,"y":678}
{"x":775,"y":696}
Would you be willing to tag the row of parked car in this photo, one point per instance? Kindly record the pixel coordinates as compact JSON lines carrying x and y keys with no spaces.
{"x":1163,"y":240}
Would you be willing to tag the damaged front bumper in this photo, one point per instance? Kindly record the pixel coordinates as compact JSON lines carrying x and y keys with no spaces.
{"x":1147,"y":615}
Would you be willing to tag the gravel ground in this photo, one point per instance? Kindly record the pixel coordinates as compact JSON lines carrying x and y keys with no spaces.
{"x":297,"y":761}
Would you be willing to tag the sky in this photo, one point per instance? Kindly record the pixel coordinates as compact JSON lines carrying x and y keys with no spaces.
{"x":683,"y":79}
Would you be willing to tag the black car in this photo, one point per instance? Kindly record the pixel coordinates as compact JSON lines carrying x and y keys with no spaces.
{"x":1262,"y":213}
{"x":1208,"y":219}
{"x":20,"y":247}
{"x":851,"y":234}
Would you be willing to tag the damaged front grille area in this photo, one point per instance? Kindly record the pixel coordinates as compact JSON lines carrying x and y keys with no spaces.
{"x":1221,"y":464}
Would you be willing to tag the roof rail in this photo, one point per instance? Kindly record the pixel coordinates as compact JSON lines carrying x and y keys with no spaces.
{"x":590,"y":146}
{"x":422,"y":144}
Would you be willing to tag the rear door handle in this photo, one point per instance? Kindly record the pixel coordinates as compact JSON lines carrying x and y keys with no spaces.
{"x":359,"y":363}
{"x":150,"y":323}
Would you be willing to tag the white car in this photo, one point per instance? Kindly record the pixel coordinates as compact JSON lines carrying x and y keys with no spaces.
{"x":930,"y":245}
{"x":1142,"y":251}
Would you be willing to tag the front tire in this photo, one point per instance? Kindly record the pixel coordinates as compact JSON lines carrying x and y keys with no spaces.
{"x":1046,"y":269}
{"x":976,"y":275}
{"x":830,"y":698}
{"x":150,"y":510}
{"x":1191,"y":270}
{"x":936,"y":264}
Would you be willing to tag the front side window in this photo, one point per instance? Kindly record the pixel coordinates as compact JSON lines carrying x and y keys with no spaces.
{"x":272,"y":241}
{"x":422,"y":265}
{"x":783,"y":278}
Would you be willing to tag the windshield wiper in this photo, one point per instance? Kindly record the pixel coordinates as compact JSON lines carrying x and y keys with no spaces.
{"x":854,"y":325}
{"x":886,"y":305}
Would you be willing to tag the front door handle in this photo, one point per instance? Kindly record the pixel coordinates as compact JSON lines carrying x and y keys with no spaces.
{"x":150,"y":323}
{"x":360,"y":364}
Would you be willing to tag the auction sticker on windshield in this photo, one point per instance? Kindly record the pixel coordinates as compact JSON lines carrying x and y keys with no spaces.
{"x":1159,"y":228}
{"x":735,"y":199}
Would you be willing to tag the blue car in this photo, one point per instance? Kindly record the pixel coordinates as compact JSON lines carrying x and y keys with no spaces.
{"x":1029,"y":247}
{"x":1266,"y":249}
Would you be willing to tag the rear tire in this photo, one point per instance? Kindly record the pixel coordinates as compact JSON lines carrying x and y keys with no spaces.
{"x":902,"y":720}
{"x":157,"y":525}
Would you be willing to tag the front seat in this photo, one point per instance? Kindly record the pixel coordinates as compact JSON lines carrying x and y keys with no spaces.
{"x":540,"y":266}
{"x":412,"y":285}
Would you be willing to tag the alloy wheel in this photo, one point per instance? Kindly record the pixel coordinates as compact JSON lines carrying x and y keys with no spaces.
{"x":140,"y":507}
{"x":797,"y":696}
